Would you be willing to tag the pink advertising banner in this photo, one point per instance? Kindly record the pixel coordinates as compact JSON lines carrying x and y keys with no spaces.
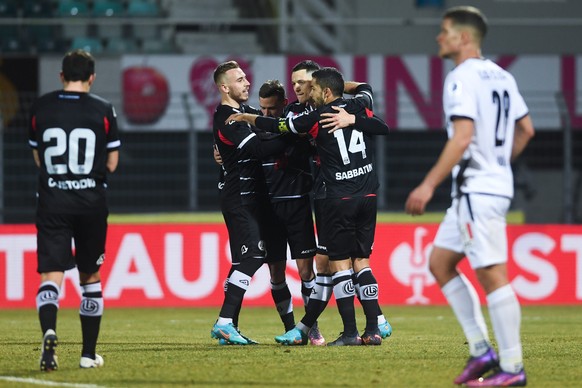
{"x":185,"y":265}
{"x":180,"y":94}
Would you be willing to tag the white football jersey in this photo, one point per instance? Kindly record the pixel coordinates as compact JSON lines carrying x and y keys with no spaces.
{"x":481,"y":90}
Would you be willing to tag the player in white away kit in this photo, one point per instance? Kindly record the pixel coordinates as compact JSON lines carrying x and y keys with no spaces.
{"x":488,"y":125}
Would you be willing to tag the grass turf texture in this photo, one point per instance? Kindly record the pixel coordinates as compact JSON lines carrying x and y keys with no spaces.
{"x":172,"y":347}
{"x":514,"y":217}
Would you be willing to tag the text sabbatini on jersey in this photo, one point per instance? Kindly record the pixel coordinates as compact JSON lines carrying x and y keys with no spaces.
{"x":339,"y":176}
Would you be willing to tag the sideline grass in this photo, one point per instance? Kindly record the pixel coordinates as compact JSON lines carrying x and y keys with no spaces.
{"x":172,"y":347}
{"x":514,"y":217}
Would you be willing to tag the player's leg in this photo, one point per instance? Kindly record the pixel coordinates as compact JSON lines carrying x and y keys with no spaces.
{"x":322,"y":292}
{"x":368,"y":295}
{"x":367,"y":286}
{"x":47,"y":304}
{"x":234,"y":247}
{"x":461,"y":295}
{"x":298,"y":219}
{"x":281,"y":294}
{"x":488,"y":256}
{"x":90,"y":237}
{"x":253,"y":253}
{"x":54,"y":257}
{"x":274,"y":230}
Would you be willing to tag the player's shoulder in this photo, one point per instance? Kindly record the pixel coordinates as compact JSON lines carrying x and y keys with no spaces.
{"x":295,"y":108}
{"x":250,"y":109}
{"x":47,"y":98}
{"x":98,"y":99}
{"x":351,"y":105}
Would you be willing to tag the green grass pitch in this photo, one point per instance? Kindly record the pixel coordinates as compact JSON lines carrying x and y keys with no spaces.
{"x":514,"y":217}
{"x":173,"y":348}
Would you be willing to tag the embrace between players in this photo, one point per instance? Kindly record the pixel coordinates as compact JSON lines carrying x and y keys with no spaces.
{"x":270,"y":165}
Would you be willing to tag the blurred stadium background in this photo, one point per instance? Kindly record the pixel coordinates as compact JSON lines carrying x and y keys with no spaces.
{"x":169,"y":168}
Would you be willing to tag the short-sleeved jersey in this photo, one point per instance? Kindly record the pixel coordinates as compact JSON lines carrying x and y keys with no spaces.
{"x":482,"y":91}
{"x":243,"y":175}
{"x":73,"y":133}
{"x":347,"y":155}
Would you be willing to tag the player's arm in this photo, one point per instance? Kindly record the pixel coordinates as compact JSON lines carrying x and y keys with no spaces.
{"x":216,"y":154}
{"x":449,"y":157}
{"x":369,"y":124}
{"x":36,"y":157}
{"x":112,"y":160}
{"x":524,"y":131}
{"x":259,"y":148}
{"x":350,"y":87}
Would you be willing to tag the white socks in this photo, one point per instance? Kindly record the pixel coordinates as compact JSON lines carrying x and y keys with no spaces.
{"x":505,"y":314}
{"x":464,"y":301}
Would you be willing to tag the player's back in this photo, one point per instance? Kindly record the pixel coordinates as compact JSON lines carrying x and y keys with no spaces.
{"x":72,"y":132}
{"x":481,"y":90}
{"x":347,"y":155}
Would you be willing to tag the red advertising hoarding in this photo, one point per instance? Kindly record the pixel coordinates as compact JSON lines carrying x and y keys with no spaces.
{"x":186,"y":264}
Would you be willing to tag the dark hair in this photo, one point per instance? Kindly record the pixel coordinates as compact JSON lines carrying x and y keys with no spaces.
{"x":308,"y":65}
{"x":330,"y":77}
{"x":223,"y":68}
{"x":272,"y":88}
{"x":468,"y":16}
{"x":78,"y":65}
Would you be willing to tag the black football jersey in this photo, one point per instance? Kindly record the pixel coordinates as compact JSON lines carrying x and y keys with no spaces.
{"x":346,"y":156}
{"x":73,"y":133}
{"x":288,"y":175}
{"x":242,"y":150}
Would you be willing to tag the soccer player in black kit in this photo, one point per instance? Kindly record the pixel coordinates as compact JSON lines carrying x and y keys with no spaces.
{"x":244,"y":196}
{"x":350,"y":183}
{"x":74,"y":140}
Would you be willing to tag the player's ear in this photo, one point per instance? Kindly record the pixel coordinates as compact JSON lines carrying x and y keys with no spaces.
{"x":92,"y":78}
{"x":223,"y":88}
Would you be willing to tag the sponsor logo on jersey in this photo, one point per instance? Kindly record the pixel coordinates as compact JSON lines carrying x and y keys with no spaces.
{"x":101,"y":259}
{"x":220,"y":185}
{"x":340,"y":176}
{"x":80,"y":184}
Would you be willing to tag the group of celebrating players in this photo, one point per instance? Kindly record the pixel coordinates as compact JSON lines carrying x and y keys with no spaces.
{"x":273,"y":160}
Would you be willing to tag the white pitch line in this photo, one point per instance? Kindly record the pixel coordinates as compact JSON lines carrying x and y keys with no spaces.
{"x":47,"y":383}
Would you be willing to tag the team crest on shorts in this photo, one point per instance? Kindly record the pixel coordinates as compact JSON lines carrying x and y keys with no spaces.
{"x":244,"y":249}
{"x":101,"y":259}
{"x":261,"y":245}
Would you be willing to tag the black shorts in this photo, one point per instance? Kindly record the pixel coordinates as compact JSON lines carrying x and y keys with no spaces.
{"x":292,"y":221}
{"x":244,"y":231}
{"x":54,"y":235}
{"x":349,"y":226}
{"x":319,"y":206}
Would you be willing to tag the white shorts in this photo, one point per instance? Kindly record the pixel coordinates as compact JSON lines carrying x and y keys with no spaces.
{"x":475,"y":225}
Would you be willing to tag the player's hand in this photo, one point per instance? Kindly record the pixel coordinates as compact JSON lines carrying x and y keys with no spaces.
{"x":217,"y":157}
{"x":235,"y":117}
{"x":417,"y":199}
{"x":335,"y":121}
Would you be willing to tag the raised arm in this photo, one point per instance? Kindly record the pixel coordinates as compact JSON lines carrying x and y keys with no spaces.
{"x":371,"y":125}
